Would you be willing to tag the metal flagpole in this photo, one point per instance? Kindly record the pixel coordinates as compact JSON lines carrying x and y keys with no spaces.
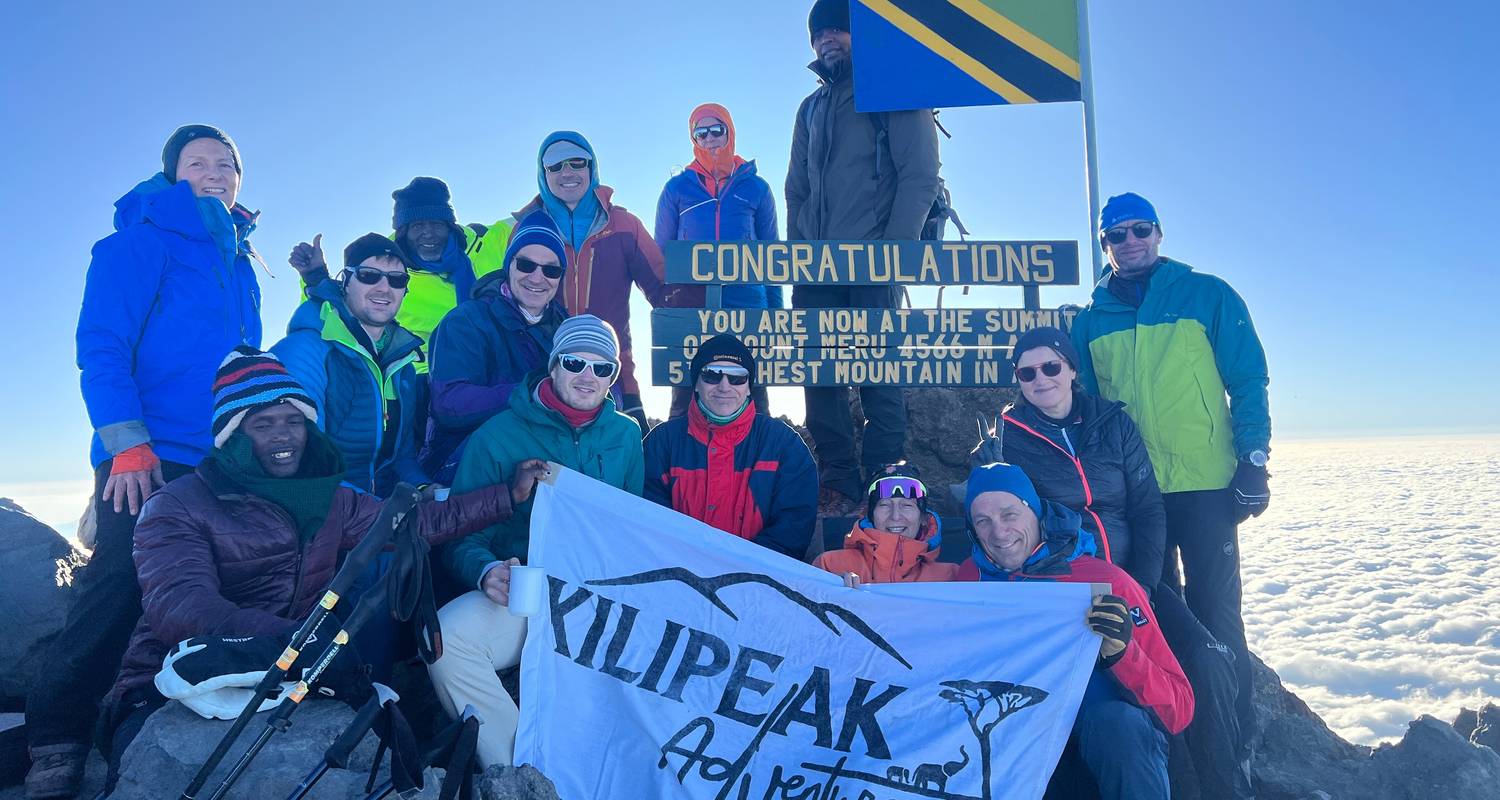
{"x":1090,"y":142}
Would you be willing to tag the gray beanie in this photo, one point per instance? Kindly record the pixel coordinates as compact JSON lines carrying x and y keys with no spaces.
{"x":584,"y":333}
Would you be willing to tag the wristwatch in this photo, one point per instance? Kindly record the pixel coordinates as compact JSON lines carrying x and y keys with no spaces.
{"x":1257,"y":458}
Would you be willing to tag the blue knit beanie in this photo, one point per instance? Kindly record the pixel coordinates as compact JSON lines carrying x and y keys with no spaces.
{"x":1123,"y":207}
{"x":1000,"y":477}
{"x":536,"y":228}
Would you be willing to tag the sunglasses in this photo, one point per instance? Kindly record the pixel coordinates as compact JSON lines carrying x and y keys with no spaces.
{"x":736,"y":377}
{"x":574,"y":164}
{"x":1028,"y":374}
{"x":370,"y":276}
{"x":576,"y":365}
{"x":1118,"y":235}
{"x":909,"y":488}
{"x":709,"y":130}
{"x":527,"y":266}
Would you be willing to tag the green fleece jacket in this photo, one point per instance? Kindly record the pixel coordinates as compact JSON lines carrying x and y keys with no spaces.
{"x":1189,"y":368}
{"x":607,"y":449}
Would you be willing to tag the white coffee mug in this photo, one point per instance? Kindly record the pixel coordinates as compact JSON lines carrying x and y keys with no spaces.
{"x":528,"y":590}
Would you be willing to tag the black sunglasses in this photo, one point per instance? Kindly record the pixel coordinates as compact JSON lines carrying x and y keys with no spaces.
{"x":526,"y":265}
{"x":712,"y":377}
{"x":709,"y":130}
{"x":575,"y":164}
{"x":1028,"y":374}
{"x":576,"y":365}
{"x":370,"y":276}
{"x":1118,"y":235}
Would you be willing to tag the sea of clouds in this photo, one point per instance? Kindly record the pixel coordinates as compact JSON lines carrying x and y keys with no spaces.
{"x":1371,"y":584}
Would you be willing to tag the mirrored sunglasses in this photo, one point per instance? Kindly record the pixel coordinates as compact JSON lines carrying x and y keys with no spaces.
{"x":737,"y":376}
{"x":577,"y":364}
{"x":909,"y":488}
{"x":706,"y":131}
{"x":574,"y":164}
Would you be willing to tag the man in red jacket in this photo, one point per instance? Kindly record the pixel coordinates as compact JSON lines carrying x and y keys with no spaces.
{"x":741,"y":472}
{"x":1137,"y":693}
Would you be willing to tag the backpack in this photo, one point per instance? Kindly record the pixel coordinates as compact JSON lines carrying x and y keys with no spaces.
{"x":942,"y":206}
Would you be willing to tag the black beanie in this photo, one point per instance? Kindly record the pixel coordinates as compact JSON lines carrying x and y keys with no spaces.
{"x":900,"y":469}
{"x":372,"y":244}
{"x":828,"y":14}
{"x":1046,"y":337}
{"x":723,"y":347}
{"x":423,"y":198}
{"x":179,"y":139}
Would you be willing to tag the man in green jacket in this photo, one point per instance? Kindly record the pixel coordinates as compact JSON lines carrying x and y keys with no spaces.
{"x":1178,"y":348}
{"x":565,"y":415}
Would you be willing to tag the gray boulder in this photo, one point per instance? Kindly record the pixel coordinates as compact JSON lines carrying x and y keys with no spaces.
{"x":502,"y":782}
{"x":39,"y":566}
{"x":1431,"y":761}
{"x":175,"y":741}
{"x":1480,"y":727}
{"x":1296,"y":754}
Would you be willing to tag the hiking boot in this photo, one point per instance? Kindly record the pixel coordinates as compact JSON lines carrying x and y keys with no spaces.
{"x":56,"y":771}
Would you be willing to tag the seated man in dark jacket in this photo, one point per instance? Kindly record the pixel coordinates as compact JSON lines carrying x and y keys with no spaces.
{"x":741,"y":472}
{"x":1137,"y":692}
{"x":359,"y":366}
{"x":484,"y":348}
{"x":246,"y":544}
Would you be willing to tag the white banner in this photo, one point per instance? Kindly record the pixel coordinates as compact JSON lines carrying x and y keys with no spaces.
{"x":672,"y":660}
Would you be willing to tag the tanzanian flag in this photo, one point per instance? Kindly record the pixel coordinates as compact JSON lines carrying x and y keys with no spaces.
{"x":944,"y":53}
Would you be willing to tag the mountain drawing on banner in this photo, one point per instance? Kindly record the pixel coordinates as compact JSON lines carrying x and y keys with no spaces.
{"x":709,"y":588}
{"x":912,"y":54}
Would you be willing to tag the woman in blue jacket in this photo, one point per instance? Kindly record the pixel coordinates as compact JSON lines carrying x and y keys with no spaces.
{"x":718,"y":198}
{"x":167,"y":295}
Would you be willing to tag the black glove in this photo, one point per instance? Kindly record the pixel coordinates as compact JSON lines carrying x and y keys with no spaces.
{"x":1110,"y":618}
{"x":1251,"y":491}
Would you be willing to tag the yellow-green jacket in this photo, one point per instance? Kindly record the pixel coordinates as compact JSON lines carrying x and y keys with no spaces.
{"x":1189,"y":368}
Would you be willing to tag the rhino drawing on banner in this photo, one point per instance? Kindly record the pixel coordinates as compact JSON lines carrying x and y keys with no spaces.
{"x":692,"y":664}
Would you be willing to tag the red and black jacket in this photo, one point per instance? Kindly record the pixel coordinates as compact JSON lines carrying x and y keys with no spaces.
{"x":1147,"y":672}
{"x":753,"y":477}
{"x":1096,"y":464}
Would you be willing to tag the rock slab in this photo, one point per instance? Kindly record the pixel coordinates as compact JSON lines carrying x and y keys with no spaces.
{"x":34,"y":595}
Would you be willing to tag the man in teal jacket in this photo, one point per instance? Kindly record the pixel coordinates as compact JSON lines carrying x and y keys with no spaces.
{"x":359,"y":364}
{"x":565,"y":415}
{"x":1178,"y":348}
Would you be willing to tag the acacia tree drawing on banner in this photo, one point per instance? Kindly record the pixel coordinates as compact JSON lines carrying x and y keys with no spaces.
{"x":986,"y":704}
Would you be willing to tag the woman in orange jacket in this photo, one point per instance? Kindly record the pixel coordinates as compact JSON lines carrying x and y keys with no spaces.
{"x":898,"y":539}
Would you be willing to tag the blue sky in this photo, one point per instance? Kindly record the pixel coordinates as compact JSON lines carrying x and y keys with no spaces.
{"x":1331,"y":160}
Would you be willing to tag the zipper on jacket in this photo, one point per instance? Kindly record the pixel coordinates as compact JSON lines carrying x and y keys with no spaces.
{"x":1088,"y":492}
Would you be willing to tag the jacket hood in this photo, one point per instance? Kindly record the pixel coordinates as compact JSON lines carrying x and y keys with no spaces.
{"x":575,"y":224}
{"x":173,"y":207}
{"x":1063,"y":540}
{"x":716,"y":165}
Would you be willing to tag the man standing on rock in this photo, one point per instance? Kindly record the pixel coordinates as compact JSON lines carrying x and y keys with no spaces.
{"x":166,"y":296}
{"x":1178,"y":348}
{"x":830,"y":194}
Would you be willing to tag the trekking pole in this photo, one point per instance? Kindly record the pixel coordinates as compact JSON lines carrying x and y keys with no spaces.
{"x":467,"y":726}
{"x":280,"y":719}
{"x":395,"y":509}
{"x":337,"y":754}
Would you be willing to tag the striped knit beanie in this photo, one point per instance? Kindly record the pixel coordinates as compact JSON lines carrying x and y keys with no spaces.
{"x":536,"y":228}
{"x":249,"y":380}
{"x":584,"y":333}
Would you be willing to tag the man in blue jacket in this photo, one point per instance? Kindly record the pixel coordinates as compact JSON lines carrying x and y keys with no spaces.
{"x":358,"y":364}
{"x":166,"y":296}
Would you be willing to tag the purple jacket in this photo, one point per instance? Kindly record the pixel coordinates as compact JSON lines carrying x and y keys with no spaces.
{"x":213,"y":561}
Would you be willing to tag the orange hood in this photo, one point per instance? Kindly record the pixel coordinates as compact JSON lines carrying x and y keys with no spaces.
{"x":713,"y":165}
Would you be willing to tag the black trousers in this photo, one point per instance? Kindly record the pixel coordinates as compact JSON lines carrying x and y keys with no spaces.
{"x":829,"y":418}
{"x":1201,"y":527}
{"x":1213,"y":737}
{"x":84,"y":657}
